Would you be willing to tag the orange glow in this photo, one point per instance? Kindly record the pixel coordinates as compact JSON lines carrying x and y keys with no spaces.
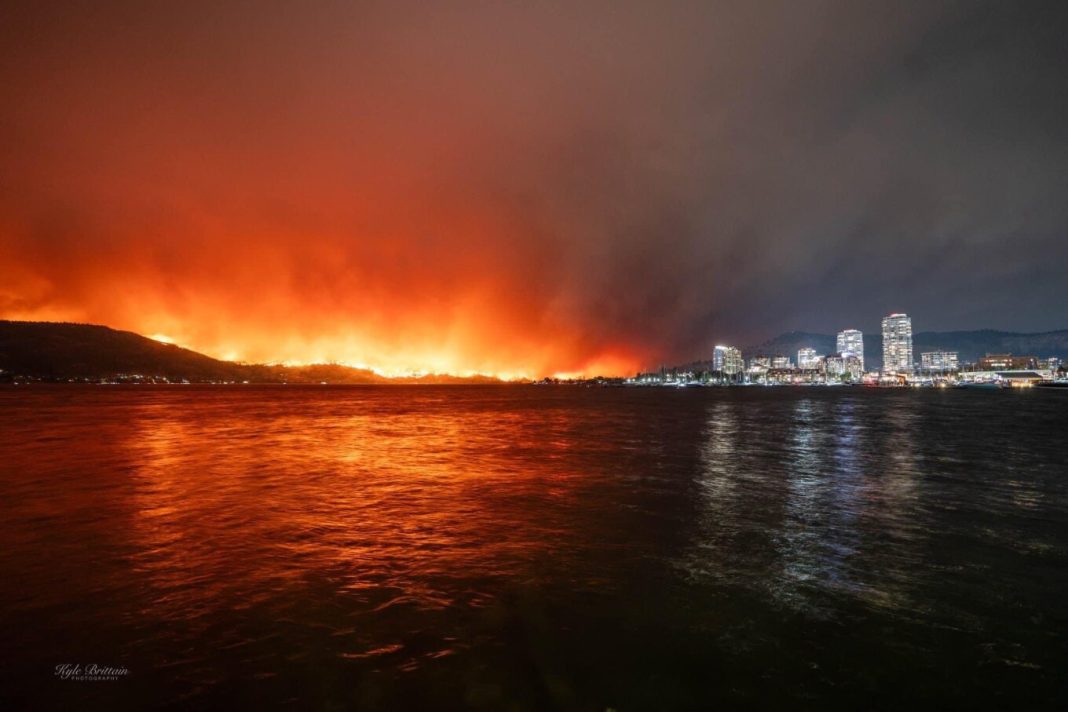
{"x":434,"y":347}
{"x":406,"y":280}
{"x":386,"y":198}
{"x":301,"y":300}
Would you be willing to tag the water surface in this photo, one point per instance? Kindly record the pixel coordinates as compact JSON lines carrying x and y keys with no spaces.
{"x":534,"y":547}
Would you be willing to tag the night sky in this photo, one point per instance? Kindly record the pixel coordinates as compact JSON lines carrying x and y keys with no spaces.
{"x":531,"y":188}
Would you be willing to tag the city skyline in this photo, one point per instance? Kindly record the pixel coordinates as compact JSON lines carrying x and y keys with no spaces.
{"x":901,"y":363}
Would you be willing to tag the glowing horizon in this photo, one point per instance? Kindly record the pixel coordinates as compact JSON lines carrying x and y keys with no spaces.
{"x":343,"y":350}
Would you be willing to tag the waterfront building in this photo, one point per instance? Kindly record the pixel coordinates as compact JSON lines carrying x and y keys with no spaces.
{"x":851,"y":343}
{"x":727,"y":360}
{"x":854,"y":366}
{"x":843,"y":367}
{"x":793,"y":377}
{"x":835,"y":365}
{"x":760,"y":362}
{"x":1001,"y":362}
{"x":781,"y":362}
{"x":897,"y":343}
{"x":808,"y":359}
{"x":939,"y":361}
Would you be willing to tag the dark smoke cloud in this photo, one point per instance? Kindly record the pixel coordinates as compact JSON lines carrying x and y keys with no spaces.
{"x":532,"y":187}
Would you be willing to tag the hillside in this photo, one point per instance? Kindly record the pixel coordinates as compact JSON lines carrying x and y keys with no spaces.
{"x":62,"y":351}
{"x":971,"y":345}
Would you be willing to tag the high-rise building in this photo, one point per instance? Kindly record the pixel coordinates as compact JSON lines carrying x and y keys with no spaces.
{"x":851,"y":343}
{"x":808,"y":359}
{"x":897,"y":343}
{"x":728,"y":360}
{"x":939,"y":360}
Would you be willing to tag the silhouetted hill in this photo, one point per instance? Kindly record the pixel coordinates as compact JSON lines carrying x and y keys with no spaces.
{"x":970,"y":345}
{"x":62,"y":351}
{"x":54,"y":350}
{"x":788,"y":344}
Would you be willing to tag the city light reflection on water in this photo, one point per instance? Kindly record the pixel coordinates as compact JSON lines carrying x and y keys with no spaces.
{"x":533,"y":547}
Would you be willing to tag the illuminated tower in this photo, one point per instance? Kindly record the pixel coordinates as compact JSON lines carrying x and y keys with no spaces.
{"x":851,"y":343}
{"x":897,"y":343}
{"x":728,"y":360}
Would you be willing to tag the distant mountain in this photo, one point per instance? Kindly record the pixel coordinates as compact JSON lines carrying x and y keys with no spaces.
{"x":973,"y":345}
{"x":970,"y":345}
{"x":62,"y":351}
{"x":51,"y":350}
{"x":789,"y":343}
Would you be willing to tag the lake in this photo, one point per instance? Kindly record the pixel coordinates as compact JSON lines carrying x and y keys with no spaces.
{"x":533,"y":547}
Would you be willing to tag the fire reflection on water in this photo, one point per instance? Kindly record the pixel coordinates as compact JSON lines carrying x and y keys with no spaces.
{"x":423,"y":509}
{"x":555,"y":546}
